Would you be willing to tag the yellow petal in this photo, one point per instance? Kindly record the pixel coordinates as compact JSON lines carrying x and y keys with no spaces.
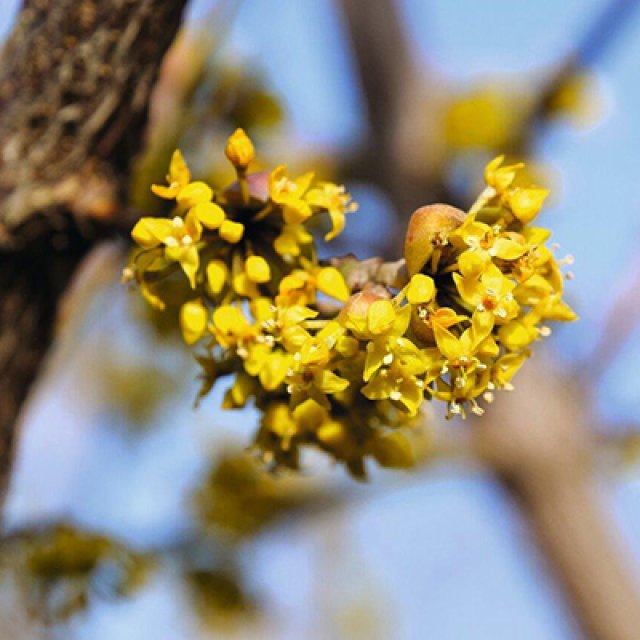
{"x":190,"y":261}
{"x":332,"y":283}
{"x":257,"y":269}
{"x":526,"y":203}
{"x":217,"y":273}
{"x":329,"y":382}
{"x":380,"y":317}
{"x":243,"y":286}
{"x":310,"y":415}
{"x":376,"y":354}
{"x":421,"y":289}
{"x":296,"y":211}
{"x":275,"y":370}
{"x":448,"y":344}
{"x":231,"y":231}
{"x":515,"y":336}
{"x":150,"y":232}
{"x":229,"y":320}
{"x":337,"y":224}
{"x":193,"y":320}
{"x":193,"y":194}
{"x":286,"y":244}
{"x":209,"y":214}
{"x":178,"y":169}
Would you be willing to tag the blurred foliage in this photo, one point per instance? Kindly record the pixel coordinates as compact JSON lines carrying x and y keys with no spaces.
{"x":62,"y":568}
{"x":239,"y":498}
{"x":497,"y":116}
{"x":219,"y":596}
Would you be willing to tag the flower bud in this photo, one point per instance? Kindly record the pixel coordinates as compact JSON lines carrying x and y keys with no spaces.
{"x":357,"y":306}
{"x":428,"y":229}
{"x":240,"y":150}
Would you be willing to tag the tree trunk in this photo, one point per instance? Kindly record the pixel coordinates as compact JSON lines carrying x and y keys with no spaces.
{"x":75,"y":82}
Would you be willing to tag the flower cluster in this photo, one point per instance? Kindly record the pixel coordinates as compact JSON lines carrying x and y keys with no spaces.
{"x":343,"y":366}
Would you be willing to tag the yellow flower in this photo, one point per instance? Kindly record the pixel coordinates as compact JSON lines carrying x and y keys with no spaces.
{"x":193,"y":194}
{"x":483,"y":240}
{"x":178,"y":237}
{"x":487,"y":289}
{"x":289,"y":194}
{"x":465,"y":360}
{"x":271,"y":366}
{"x":231,"y":328}
{"x":312,"y":375}
{"x":336,"y":201}
{"x":526,"y":203}
{"x":239,"y":150}
{"x":499,"y":177}
{"x":395,"y":369}
{"x":177,"y":178}
{"x":300,"y":286}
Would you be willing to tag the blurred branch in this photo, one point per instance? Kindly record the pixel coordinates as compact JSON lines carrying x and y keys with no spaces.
{"x":394,"y":155}
{"x":598,"y":37}
{"x":539,"y":443}
{"x":75,"y":81}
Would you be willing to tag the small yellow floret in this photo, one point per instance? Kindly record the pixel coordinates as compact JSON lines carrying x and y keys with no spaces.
{"x":231,"y":231}
{"x":257,"y":269}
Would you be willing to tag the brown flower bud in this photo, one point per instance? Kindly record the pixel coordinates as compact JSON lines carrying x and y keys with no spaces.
{"x":358,"y":304}
{"x":429,"y":229}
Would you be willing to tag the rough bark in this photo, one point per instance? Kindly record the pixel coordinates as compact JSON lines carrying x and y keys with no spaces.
{"x":75,"y":81}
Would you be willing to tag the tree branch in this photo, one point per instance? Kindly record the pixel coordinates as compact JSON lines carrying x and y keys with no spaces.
{"x":75,"y":81}
{"x":540,"y":446}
